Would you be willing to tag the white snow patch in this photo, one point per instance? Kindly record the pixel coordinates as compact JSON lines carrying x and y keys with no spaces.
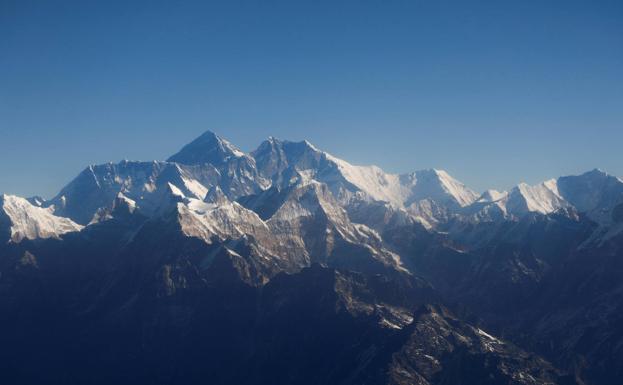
{"x":175,"y":190}
{"x":373,"y":181}
{"x":543,"y":198}
{"x":492,"y":196}
{"x":196,"y":188}
{"x":456,"y":189}
{"x":32,"y":222}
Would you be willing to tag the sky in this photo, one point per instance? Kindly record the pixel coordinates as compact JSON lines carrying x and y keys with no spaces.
{"x":494,"y":92}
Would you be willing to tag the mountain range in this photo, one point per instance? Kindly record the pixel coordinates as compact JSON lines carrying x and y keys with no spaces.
{"x":287,"y":265}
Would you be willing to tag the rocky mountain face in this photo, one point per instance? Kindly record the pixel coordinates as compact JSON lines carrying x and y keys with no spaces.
{"x":289,"y":265}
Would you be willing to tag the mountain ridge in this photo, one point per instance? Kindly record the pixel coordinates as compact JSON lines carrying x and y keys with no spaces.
{"x":256,"y":259}
{"x":430,"y":196}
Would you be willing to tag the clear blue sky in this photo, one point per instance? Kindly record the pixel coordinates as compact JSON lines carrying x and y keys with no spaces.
{"x":495,"y":92}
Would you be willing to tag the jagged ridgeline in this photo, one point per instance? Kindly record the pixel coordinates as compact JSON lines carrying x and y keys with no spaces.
{"x":288,"y":265}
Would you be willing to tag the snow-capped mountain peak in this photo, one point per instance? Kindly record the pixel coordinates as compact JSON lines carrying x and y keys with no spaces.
{"x":26,"y":221}
{"x":274,"y":156}
{"x":207,"y":148}
{"x":492,"y":196}
{"x":542,"y":198}
{"x":463,"y":195}
{"x":211,"y":169}
{"x":439,"y":186}
{"x":595,"y":192}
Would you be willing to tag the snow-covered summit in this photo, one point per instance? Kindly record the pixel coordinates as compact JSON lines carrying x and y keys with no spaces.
{"x":542,"y":198}
{"x":26,"y":221}
{"x":143,"y":182}
{"x":211,"y":169}
{"x":492,"y":196}
{"x":207,"y":148}
{"x":595,"y":192}
{"x":274,"y":156}
{"x":439,"y":186}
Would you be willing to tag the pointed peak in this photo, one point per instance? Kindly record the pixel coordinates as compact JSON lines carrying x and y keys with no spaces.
{"x":209,"y":137}
{"x":438,"y":185}
{"x":272,"y":142}
{"x":542,"y":198}
{"x":594,"y":175}
{"x":267,"y":145}
{"x":431,"y":173}
{"x":596,"y":172}
{"x":304,"y":147}
{"x":208,"y":134}
{"x":435,"y":174}
{"x":550,"y":184}
{"x":207,"y":148}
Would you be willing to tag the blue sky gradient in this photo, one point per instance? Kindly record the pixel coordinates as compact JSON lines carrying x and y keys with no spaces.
{"x":495,"y":92}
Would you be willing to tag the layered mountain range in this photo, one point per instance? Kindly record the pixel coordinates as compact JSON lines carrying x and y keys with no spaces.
{"x":289,"y":265}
